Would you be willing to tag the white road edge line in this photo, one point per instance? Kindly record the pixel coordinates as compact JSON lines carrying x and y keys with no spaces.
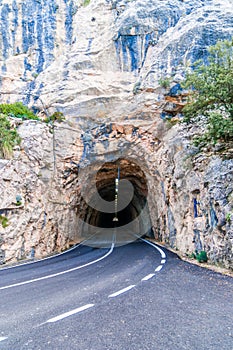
{"x":3,"y":338}
{"x":146,"y":278}
{"x":70,"y":313}
{"x":158,"y":268}
{"x":163,"y":255}
{"x":121,"y":291}
{"x":59,"y":273}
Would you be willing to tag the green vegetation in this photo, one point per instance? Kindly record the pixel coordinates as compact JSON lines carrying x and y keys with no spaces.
{"x":3,"y":221}
{"x":211,"y":94}
{"x":201,"y":257}
{"x":86,"y":2}
{"x":165,"y":83}
{"x":8,"y":134}
{"x":17,"y":110}
{"x":56,"y":116}
{"x":8,"y":138}
{"x":228,"y":217}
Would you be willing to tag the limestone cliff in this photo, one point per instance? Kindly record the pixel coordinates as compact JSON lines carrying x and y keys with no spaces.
{"x":85,"y":60}
{"x":100,"y":64}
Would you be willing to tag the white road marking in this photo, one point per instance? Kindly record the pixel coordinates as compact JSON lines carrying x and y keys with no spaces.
{"x":163,"y":261}
{"x":158,"y":268}
{"x":3,"y":338}
{"x":59,"y":273}
{"x":163,"y":255}
{"x":69,"y":313}
{"x":146,"y":278}
{"x":121,"y":291}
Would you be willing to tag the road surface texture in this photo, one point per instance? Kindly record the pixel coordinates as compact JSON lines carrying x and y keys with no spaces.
{"x":134,"y":297}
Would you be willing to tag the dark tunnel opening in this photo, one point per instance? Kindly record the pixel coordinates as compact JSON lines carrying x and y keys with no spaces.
{"x":130,"y":217}
{"x":124,"y":216}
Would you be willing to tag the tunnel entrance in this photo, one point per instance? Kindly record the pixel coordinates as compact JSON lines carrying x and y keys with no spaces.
{"x":117,"y":208}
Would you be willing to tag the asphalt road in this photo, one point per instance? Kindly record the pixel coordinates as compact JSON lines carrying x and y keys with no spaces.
{"x":134,"y":297}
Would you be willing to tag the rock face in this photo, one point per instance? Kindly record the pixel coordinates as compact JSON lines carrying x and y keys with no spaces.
{"x":101,"y":64}
{"x":86,"y":60}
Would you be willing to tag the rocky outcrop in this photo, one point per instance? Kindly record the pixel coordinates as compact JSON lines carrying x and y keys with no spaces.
{"x":102,"y":66}
{"x":189,"y":194}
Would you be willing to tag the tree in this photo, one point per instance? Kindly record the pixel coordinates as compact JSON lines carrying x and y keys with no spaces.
{"x":211,"y":93}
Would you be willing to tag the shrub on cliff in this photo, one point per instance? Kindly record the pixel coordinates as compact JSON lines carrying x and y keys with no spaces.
{"x":86,"y":2}
{"x":8,"y":138}
{"x":17,"y":110}
{"x":201,"y":256}
{"x":55,"y":117}
{"x":211,"y":93}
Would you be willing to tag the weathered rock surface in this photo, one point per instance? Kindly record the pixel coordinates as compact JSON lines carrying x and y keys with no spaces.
{"x":100,"y":65}
{"x":189,"y":196}
{"x":86,"y":60}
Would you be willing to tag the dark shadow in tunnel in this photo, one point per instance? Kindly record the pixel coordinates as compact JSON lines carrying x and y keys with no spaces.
{"x":101,"y":228}
{"x":125,"y":216}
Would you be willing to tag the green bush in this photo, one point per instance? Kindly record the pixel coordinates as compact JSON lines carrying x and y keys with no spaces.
{"x":211,"y":94}
{"x":57,"y":116}
{"x":86,"y":2}
{"x":3,"y":221}
{"x":219,"y":129}
{"x":17,"y":110}
{"x":228,"y":217}
{"x":8,"y":138}
{"x":202,"y":256}
{"x":165,"y":83}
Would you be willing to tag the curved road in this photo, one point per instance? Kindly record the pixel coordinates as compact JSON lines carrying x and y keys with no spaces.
{"x":134,"y":297}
